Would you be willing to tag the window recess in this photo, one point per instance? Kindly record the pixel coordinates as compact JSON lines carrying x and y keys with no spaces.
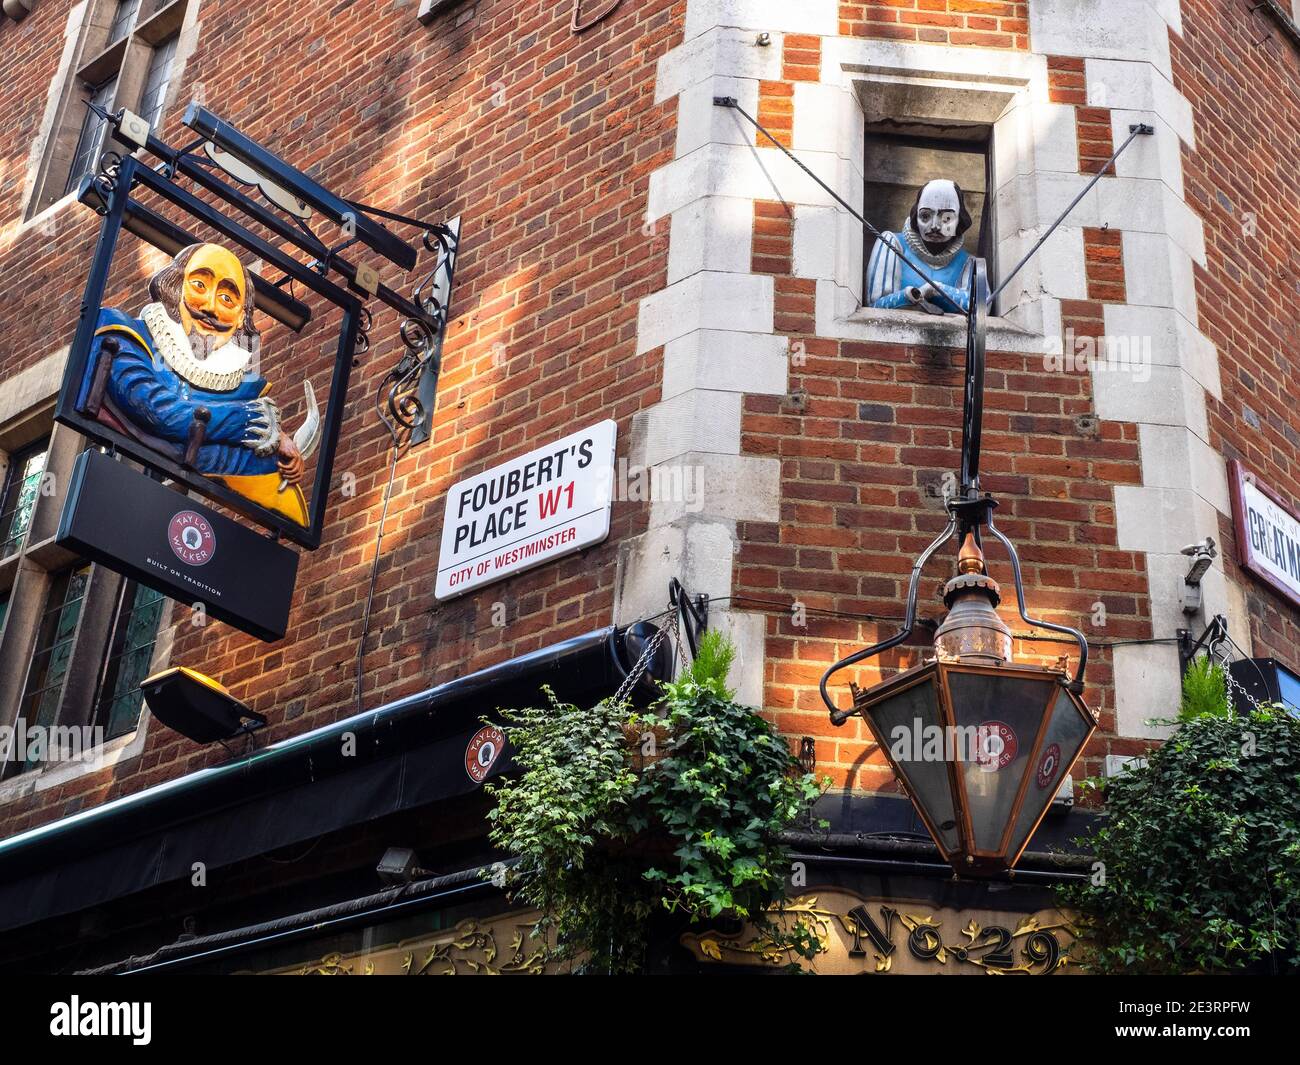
{"x":899,"y":158}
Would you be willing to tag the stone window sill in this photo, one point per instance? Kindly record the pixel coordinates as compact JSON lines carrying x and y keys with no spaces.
{"x":933,"y":330}
{"x":52,"y":776}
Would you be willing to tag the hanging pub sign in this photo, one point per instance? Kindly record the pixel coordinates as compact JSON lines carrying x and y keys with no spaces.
{"x":198,"y":376}
{"x":534,"y":509}
{"x":1268,"y":532}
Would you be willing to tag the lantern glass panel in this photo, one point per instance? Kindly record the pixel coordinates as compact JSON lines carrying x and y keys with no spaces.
{"x":997,"y":717}
{"x":1067,"y":731}
{"x":910,"y":725}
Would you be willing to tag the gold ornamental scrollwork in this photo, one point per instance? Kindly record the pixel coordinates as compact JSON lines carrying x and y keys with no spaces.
{"x":857,"y":935}
{"x":473,"y":948}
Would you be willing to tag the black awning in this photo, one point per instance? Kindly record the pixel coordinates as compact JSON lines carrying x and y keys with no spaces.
{"x":408,"y":754}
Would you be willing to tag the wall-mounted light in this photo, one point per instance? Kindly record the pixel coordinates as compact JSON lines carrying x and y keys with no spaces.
{"x":196,"y":706}
{"x":400,"y":865}
{"x":1202,"y":555}
{"x":981,"y":743}
{"x":18,"y":9}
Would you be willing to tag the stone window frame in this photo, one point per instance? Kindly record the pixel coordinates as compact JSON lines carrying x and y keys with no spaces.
{"x":90,"y":61}
{"x":26,"y":577}
{"x":1006,"y":90}
{"x":936,"y":138}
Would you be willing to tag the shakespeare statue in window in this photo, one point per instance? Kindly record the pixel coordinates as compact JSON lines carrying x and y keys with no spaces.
{"x":182,"y":379}
{"x":932,"y":239}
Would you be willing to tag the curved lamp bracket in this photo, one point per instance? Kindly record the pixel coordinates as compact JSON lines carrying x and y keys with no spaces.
{"x":1075,"y":685}
{"x":838,"y":716}
{"x":694,"y":615}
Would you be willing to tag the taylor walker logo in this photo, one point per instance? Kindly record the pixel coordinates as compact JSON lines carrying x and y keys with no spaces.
{"x":1047,"y":766}
{"x":997,"y":745}
{"x":191,"y":537}
{"x":991,"y":745}
{"x":133,"y":1019}
{"x":483,"y":751}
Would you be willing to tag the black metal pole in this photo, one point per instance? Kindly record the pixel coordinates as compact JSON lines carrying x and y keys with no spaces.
{"x":972,"y":426}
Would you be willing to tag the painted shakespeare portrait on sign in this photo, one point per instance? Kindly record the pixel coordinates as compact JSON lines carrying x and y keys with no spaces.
{"x":182,"y":379}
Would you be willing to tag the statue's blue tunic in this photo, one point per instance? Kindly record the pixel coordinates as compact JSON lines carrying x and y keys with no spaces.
{"x":161,"y":403}
{"x":888,"y":276}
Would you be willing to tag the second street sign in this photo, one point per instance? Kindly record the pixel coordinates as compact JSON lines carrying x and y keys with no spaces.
{"x":1268,"y":532}
{"x":536,"y":508}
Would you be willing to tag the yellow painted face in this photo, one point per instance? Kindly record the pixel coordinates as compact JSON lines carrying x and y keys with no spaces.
{"x":212,"y":295}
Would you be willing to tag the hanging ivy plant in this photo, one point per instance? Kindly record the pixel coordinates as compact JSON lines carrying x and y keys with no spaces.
{"x":1198,"y":858}
{"x":619,"y":819}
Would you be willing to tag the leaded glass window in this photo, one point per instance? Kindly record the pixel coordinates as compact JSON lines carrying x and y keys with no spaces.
{"x":22,"y":488}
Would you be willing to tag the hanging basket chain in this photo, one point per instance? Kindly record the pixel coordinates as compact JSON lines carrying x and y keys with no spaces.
{"x":1218,"y":649}
{"x":679,"y":645}
{"x":634,"y":674}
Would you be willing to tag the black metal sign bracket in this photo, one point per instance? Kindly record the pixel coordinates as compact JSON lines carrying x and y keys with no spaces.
{"x":694,"y":613}
{"x":1216,"y":632}
{"x":412,"y":385}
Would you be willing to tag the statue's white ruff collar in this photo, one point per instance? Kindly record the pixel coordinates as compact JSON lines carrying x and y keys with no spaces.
{"x":221,"y":371}
{"x":918,"y":246}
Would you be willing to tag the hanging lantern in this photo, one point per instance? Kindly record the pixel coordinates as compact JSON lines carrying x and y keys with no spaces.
{"x":979,"y":742}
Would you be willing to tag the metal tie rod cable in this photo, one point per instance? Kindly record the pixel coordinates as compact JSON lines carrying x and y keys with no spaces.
{"x":1139,"y":129}
{"x":732,"y":103}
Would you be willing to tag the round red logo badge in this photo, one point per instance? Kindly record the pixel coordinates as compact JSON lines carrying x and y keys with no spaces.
{"x":1048,"y":765}
{"x":191,"y":537}
{"x":996,"y":746}
{"x":484,"y":749}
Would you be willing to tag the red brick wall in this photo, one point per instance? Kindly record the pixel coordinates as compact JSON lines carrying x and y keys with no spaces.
{"x":543,"y":143}
{"x":1103,"y":264}
{"x":775,"y":113}
{"x":801,"y":57}
{"x":773,"y":249}
{"x":38,"y":263}
{"x":1067,"y":84}
{"x":1066,"y":80}
{"x":984,"y":23}
{"x":801,"y":60}
{"x":1240,"y":72}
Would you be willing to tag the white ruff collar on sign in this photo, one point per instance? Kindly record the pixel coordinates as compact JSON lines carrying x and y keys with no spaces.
{"x":221,"y":371}
{"x":917,"y":245}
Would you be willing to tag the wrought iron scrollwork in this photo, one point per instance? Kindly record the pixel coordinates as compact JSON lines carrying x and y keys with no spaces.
{"x":105,"y":180}
{"x":407,"y":392}
{"x":400,"y":404}
{"x":364,"y":321}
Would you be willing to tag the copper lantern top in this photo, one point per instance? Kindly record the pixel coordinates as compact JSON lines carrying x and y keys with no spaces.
{"x":972,"y":631}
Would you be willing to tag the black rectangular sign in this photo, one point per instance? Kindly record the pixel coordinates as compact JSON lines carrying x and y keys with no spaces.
{"x":176,"y":545}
